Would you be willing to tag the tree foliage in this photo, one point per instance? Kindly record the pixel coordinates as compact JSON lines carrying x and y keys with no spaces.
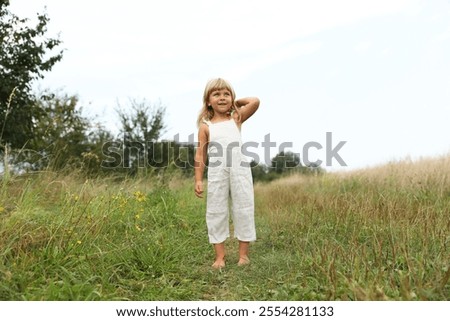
{"x":26,"y":53}
{"x":60,"y":131}
{"x":142,"y":121}
{"x":285,"y":161}
{"x":282,"y":164}
{"x":142,"y":125}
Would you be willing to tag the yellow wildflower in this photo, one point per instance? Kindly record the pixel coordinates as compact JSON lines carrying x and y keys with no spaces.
{"x":140,"y":197}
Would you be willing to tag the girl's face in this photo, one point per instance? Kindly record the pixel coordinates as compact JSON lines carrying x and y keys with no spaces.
{"x":221,"y":101}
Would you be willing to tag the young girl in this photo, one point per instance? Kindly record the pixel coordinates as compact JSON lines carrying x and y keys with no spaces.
{"x":229,"y":173}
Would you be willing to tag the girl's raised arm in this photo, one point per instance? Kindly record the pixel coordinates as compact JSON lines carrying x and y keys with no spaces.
{"x":247,"y":107}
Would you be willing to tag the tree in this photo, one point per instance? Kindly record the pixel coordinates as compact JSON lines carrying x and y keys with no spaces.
{"x":25,"y":54}
{"x":60,"y":133}
{"x":142,"y":126}
{"x":259,"y":171}
{"x":285,"y":161}
{"x":289,"y":163}
{"x":144,"y":122}
{"x":91,"y":158}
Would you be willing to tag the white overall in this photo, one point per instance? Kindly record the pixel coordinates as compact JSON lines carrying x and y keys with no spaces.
{"x":229,"y":174}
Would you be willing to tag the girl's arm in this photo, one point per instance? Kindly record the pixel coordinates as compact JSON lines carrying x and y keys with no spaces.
{"x":247,"y":107}
{"x":200,"y":159}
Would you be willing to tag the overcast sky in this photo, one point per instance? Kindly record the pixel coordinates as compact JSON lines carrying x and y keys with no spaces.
{"x":375,"y":74}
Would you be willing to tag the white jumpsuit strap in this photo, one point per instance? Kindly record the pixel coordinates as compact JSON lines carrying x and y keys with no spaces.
{"x":207,"y":122}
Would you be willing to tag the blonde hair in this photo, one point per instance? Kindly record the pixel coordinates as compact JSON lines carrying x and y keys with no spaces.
{"x":207,"y":113}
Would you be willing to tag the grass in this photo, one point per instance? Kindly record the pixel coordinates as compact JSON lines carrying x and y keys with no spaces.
{"x":376,"y":234}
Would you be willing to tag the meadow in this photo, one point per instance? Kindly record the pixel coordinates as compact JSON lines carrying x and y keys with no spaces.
{"x":382,"y":233}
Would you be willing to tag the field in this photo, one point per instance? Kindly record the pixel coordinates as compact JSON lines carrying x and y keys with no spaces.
{"x":377,"y":234}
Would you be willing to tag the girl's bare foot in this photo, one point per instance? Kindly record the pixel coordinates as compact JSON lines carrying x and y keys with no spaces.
{"x":243,"y":260}
{"x":219,"y":248}
{"x":218,"y":264}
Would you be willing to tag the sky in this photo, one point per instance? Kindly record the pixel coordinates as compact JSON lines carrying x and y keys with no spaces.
{"x":374,"y":75}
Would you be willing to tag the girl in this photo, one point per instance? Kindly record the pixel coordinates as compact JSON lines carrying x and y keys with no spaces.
{"x":229,"y":172}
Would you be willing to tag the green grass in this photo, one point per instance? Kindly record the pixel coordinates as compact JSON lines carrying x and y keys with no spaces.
{"x":379,"y":234}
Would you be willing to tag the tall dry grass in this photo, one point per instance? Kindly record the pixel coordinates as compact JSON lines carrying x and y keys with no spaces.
{"x":381,"y":232}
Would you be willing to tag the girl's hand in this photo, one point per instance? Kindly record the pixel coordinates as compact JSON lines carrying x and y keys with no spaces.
{"x":199,"y":189}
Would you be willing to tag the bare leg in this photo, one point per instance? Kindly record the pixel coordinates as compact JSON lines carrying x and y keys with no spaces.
{"x":243,"y":253}
{"x":220,"y":255}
